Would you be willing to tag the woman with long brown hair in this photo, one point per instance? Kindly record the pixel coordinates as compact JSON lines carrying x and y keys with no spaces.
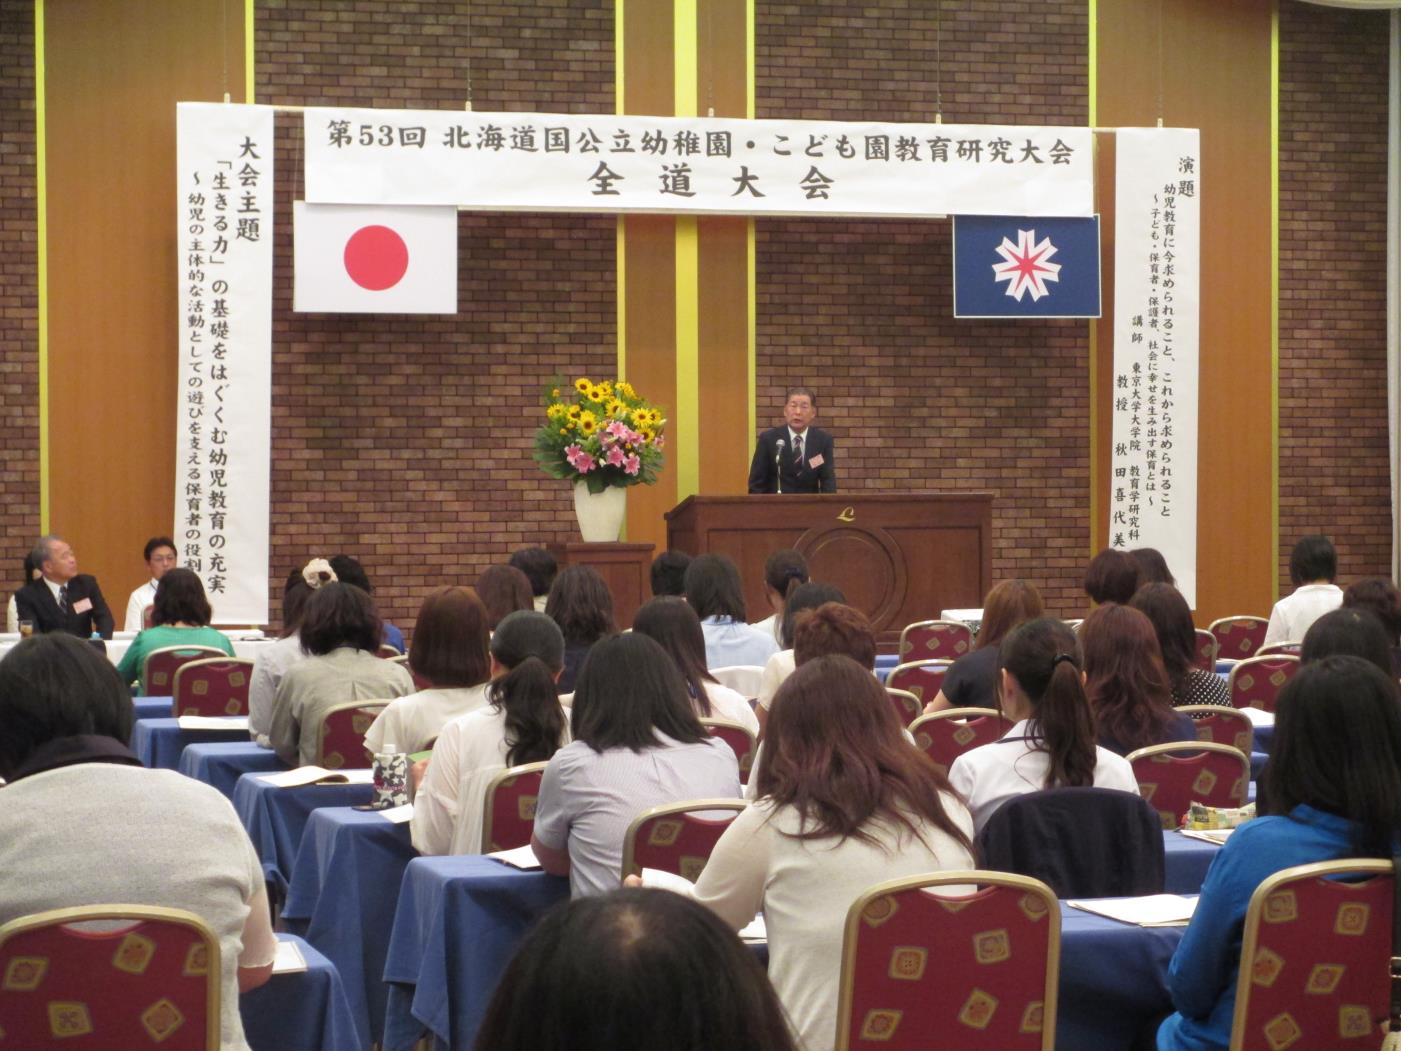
{"x":972,"y":680}
{"x":670,"y":621}
{"x":844,"y":802}
{"x":1126,"y":682}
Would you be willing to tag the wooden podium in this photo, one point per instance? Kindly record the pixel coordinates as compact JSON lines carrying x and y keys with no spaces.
{"x":897,"y":558}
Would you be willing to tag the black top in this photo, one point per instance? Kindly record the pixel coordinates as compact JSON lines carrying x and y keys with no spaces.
{"x":36,"y":602}
{"x":1182,"y":728}
{"x":575,"y":653}
{"x":798,"y":476}
{"x":972,"y":680}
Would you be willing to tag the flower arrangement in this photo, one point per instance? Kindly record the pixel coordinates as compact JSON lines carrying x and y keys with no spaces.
{"x":607,"y":436}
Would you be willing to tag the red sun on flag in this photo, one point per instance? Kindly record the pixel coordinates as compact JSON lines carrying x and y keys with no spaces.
{"x":376,"y":257}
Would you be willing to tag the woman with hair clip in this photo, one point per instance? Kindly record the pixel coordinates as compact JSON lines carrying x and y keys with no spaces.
{"x":1041,"y":688}
{"x":972,"y":679}
{"x":784,"y":570}
{"x":1126,"y":682}
{"x":844,"y":803}
{"x":1333,"y":786}
{"x":522,"y":722}
{"x":673,"y":625}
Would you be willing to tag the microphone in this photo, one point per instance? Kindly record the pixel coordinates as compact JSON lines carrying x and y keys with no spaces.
{"x":779,"y":446}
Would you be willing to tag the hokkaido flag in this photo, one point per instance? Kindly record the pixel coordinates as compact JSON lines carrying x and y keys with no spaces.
{"x":361,"y":259}
{"x":1025,"y":266}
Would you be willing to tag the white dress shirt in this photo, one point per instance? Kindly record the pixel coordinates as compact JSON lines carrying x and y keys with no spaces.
{"x":730,"y":642}
{"x":1294,"y":614}
{"x":412,"y":723}
{"x":142,"y":597}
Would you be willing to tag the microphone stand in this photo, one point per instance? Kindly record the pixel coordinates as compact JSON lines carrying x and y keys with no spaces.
{"x":778,"y":463}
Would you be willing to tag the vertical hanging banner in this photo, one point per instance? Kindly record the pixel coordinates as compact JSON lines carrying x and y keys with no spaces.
{"x":224,"y":182}
{"x":1157,"y":299}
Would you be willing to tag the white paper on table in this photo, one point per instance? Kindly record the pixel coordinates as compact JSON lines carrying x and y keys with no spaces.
{"x":1208,"y":835}
{"x":213,"y":722}
{"x":756,"y":931}
{"x":397,"y":815}
{"x":289,"y":959}
{"x":519,"y":857}
{"x":1258,"y":716}
{"x":1150,"y":910}
{"x":318,"y":775}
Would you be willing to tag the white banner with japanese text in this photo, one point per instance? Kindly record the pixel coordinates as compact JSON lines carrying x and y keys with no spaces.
{"x":543,"y":162}
{"x":224,"y":182}
{"x":1157,"y":298}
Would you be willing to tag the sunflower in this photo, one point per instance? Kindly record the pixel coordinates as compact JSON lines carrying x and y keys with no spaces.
{"x":556,"y":412}
{"x":616,"y":407}
{"x":573,"y":412}
{"x":588,"y":424}
{"x":596,"y":393}
{"x":583,"y":384}
{"x":648,"y":435}
{"x":606,"y":388}
{"x":625,"y":390}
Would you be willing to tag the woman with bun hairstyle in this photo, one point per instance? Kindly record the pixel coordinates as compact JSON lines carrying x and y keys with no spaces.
{"x":784,"y":570}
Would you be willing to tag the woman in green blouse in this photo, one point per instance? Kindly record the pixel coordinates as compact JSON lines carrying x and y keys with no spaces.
{"x":180,"y":618}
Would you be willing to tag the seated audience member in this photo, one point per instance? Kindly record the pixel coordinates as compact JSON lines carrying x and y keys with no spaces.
{"x":61,"y":598}
{"x":1383,"y":598}
{"x":503,"y":590}
{"x":1152,"y":566}
{"x":714,"y":590}
{"x":1334,"y":786}
{"x":159,"y":554}
{"x":784,"y":571}
{"x":1313,"y":565}
{"x":31,"y":573}
{"x":1167,"y":611}
{"x":778,"y":667}
{"x":1112,"y":576}
{"x":349,"y":571}
{"x":591,"y":975}
{"x":341,"y":634}
{"x":1126,"y":682}
{"x":581,"y":604}
{"x":971,"y":681}
{"x":673,"y":624}
{"x":844,"y":803}
{"x":540,"y":568}
{"x":522,"y":723}
{"x":270,"y":663}
{"x":449,"y":661}
{"x":180,"y":618}
{"x":637,"y":744}
{"x":126,"y":835}
{"x":1052,"y":745}
{"x":1352,"y":632}
{"x":669,"y":573}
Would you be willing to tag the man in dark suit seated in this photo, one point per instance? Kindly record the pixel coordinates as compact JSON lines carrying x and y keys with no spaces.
{"x":62,"y":599}
{"x":794,"y":458}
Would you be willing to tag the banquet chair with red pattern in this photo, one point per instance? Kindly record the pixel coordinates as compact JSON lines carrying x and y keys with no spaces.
{"x":1255,"y":683}
{"x":924,"y":679}
{"x":1277,"y":649}
{"x":110,"y":976}
{"x":158,"y":672}
{"x":1238,"y":637}
{"x":740,"y":739}
{"x":216,"y":686}
{"x":387,"y":652}
{"x":907,"y":706}
{"x":1221,"y":725}
{"x":945,"y":640}
{"x":1174,"y":776}
{"x":946,"y":735}
{"x":1315,"y":959}
{"x":340,"y":739}
{"x":677,"y":837}
{"x":508,"y":807}
{"x":977,"y":969}
{"x":1204,"y":656}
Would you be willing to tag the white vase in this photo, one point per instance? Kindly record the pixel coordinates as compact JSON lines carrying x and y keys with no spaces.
{"x":600,"y":514}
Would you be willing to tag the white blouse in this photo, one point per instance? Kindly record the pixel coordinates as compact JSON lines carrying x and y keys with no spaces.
{"x":412,"y":723}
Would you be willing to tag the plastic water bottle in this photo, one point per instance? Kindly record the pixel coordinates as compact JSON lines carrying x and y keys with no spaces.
{"x":391,"y":775}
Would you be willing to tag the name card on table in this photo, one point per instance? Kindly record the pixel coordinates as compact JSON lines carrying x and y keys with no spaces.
{"x":213,"y":722}
{"x":318,"y":775}
{"x":1149,"y":910}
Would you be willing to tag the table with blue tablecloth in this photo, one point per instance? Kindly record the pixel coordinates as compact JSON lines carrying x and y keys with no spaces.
{"x":159,"y":742}
{"x":301,"y":1010}
{"x":344,"y":887}
{"x":275,"y":818}
{"x":222,"y":763}
{"x":153,"y":707}
{"x":1186,"y":861}
{"x":459,"y":920}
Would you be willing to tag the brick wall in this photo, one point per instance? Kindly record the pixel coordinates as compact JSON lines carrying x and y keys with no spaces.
{"x":403,"y":440}
{"x":19,"y":293}
{"x":1333,"y":465}
{"x":863,"y":309}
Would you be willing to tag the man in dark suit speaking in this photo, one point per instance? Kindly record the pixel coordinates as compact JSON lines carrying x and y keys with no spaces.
{"x":63,"y":599}
{"x":794,"y":458}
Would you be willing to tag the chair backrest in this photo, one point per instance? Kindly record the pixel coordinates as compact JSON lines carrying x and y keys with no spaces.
{"x":399,"y":658}
{"x":739,"y":738}
{"x":214,"y":686}
{"x":1221,"y":725}
{"x":1204,"y":656}
{"x":1256,"y":682}
{"x":677,"y":837}
{"x":1174,"y":776}
{"x":340,"y":739}
{"x":1240,"y":636}
{"x":742,"y":678}
{"x":945,"y":640}
{"x":972,"y":971}
{"x":387,"y":652}
{"x":907,"y":706}
{"x":924,"y":679}
{"x":1274,"y":649}
{"x":1315,"y":958}
{"x":944,"y":736}
{"x":127,"y":976}
{"x":158,"y":670}
{"x":1081,"y":842}
{"x":508,"y":808}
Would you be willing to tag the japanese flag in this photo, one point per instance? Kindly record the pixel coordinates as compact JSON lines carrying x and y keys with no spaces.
{"x":361,"y":259}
